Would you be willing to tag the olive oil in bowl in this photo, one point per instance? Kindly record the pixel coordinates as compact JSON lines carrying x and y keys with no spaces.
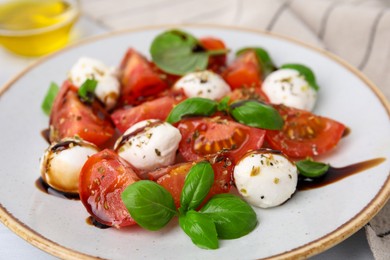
{"x":36,"y":27}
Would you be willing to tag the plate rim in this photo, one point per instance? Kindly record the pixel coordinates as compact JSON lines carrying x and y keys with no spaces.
{"x":310,"y":249}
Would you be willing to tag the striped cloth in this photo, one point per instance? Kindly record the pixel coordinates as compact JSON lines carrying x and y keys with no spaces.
{"x":356,"y":30}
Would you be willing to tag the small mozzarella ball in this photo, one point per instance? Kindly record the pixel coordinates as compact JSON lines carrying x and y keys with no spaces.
{"x":205,"y":84}
{"x":288,"y":87}
{"x":265,"y":179}
{"x":149,"y":144}
{"x":62,"y":162}
{"x":107,"y":89}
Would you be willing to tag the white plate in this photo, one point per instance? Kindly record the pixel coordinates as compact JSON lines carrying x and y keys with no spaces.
{"x":309,"y":223}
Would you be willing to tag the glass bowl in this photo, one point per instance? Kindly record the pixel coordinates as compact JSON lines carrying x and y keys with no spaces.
{"x":37,"y":27}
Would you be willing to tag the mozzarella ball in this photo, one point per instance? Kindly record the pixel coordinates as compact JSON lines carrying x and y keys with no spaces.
{"x":205,"y":84}
{"x":62,"y":162}
{"x":265,"y":178}
{"x":288,"y":87}
{"x":107,"y":89}
{"x":149,"y":144}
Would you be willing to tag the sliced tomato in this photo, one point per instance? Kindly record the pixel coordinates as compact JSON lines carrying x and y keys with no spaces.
{"x":208,"y":136}
{"x":138,"y":78}
{"x":102,"y":179}
{"x":70,"y":117}
{"x":247,"y":93}
{"x":216,"y":63}
{"x":304,"y":134}
{"x":155,"y":109}
{"x":245,"y":71}
{"x":172,"y":178}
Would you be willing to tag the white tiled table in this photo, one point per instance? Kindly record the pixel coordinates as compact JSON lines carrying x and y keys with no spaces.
{"x":14,"y":247}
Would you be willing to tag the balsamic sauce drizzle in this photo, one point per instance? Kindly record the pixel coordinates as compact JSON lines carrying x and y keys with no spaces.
{"x":335,"y":174}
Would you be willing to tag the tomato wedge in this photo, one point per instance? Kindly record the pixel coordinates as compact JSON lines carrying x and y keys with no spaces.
{"x":245,"y":71}
{"x":102,"y":179}
{"x":70,"y":117}
{"x":216,"y":63}
{"x":304,"y":134}
{"x":155,"y":109}
{"x":172,"y":178}
{"x":138,"y":78}
{"x":208,"y":136}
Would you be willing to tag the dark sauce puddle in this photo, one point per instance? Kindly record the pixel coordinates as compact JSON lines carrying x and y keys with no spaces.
{"x":347,"y":131}
{"x":93,"y":222}
{"x":45,"y":133}
{"x":44,"y":187}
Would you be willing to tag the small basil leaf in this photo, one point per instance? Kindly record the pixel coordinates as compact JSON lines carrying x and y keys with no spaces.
{"x":178,"y":53}
{"x":305,"y":72}
{"x":49,"y":98}
{"x":223,"y":104}
{"x":311,"y":169}
{"x":87,"y":90}
{"x":149,"y":204}
{"x":200,"y":228}
{"x":232,"y":216}
{"x":196,"y":185}
{"x":256,"y":114}
{"x":192,"y":107}
{"x":263,"y":57}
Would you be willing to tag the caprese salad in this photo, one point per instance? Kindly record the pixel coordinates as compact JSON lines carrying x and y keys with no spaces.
{"x":172,"y":135}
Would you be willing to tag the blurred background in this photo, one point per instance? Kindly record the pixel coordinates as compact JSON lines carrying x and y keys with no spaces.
{"x":356,"y":30}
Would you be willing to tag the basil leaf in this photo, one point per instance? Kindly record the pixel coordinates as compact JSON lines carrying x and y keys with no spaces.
{"x":196,"y":185}
{"x":223,"y":104}
{"x":233,"y":217}
{"x":87,"y":90}
{"x":200,"y":228}
{"x":149,"y":204}
{"x":49,"y":98}
{"x":305,"y":72}
{"x":263,"y":57}
{"x":192,"y":107}
{"x":179,"y":53}
{"x":311,"y":169}
{"x":256,"y":114}
{"x":176,"y":52}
